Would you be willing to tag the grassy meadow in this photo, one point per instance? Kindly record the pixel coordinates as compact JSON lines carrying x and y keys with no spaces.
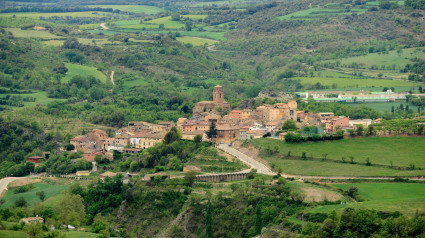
{"x":40,"y":96}
{"x":133,"y":8}
{"x":76,"y":69}
{"x":403,"y":197}
{"x":31,"y":197}
{"x":402,"y":151}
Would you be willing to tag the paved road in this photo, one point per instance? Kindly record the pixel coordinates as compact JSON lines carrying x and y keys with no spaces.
{"x":261,"y":168}
{"x":5,"y":181}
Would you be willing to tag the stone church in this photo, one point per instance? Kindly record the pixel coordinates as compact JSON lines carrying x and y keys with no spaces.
{"x":214,"y":105}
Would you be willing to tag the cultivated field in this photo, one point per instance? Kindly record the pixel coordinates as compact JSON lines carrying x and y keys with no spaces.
{"x":383,"y":106}
{"x":196,"y":41}
{"x":17,"y":32}
{"x":319,"y":12}
{"x":404,"y":197}
{"x":133,"y":8}
{"x":356,"y":82}
{"x":402,"y":151}
{"x":76,"y":69}
{"x":168,"y":23}
{"x":399,"y":59}
{"x":37,"y":15}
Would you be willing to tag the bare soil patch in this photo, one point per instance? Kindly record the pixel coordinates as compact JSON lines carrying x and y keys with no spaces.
{"x":22,"y":182}
{"x":319,"y":195}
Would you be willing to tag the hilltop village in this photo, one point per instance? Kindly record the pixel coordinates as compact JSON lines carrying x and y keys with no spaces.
{"x":236,"y":124}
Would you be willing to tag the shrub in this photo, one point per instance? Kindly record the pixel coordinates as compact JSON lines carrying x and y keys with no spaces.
{"x":23,"y":189}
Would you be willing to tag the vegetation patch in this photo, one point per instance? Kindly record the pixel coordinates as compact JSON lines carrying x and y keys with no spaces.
{"x":133,"y":8}
{"x":196,"y":41}
{"x":408,"y":198}
{"x":76,"y":69}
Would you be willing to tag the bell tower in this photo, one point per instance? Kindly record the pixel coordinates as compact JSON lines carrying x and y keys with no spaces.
{"x":218,"y":94}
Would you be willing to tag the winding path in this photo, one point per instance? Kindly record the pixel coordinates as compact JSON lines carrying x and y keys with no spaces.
{"x":112,"y":78}
{"x":5,"y":181}
{"x":104,"y":27}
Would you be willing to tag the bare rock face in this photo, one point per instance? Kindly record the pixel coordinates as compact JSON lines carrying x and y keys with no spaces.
{"x":246,"y":104}
{"x":281,"y":96}
{"x":121,"y":210}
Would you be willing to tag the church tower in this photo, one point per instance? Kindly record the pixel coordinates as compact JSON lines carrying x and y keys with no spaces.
{"x":218,"y":95}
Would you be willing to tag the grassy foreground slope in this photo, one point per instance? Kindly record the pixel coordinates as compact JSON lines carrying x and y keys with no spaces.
{"x":403,"y":197}
{"x":402,"y":151}
{"x":31,"y":197}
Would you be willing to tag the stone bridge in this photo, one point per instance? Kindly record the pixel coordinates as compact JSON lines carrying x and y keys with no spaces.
{"x":222,"y":177}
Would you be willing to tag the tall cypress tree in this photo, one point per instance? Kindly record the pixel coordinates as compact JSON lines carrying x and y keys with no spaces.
{"x":212,"y":132}
{"x":209,"y":222}
{"x":258,"y":220}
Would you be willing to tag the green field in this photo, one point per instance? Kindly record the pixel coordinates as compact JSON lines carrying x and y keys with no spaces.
{"x":356,"y":83}
{"x":86,"y":41}
{"x":41,"y":98}
{"x":80,"y":234}
{"x":89,"y":26}
{"x":152,"y":24}
{"x":135,"y":83}
{"x":37,"y":15}
{"x":12,"y":234}
{"x":133,"y":8}
{"x":17,"y":32}
{"x":319,"y":12}
{"x":390,"y":59}
{"x":76,"y":69}
{"x":31,"y":197}
{"x":196,"y":41}
{"x":383,"y":106}
{"x":403,"y":197}
{"x":402,"y":151}
{"x":202,"y":34}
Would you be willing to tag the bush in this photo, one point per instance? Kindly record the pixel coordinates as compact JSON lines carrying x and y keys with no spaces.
{"x":20,"y":202}
{"x":23,"y":189}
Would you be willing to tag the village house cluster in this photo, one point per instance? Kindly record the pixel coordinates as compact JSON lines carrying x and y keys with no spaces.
{"x":230,"y":124}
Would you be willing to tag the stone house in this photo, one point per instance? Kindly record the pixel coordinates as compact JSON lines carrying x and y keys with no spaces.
{"x":85,"y":143}
{"x":35,"y":159}
{"x":333,"y":124}
{"x":30,"y":220}
{"x":190,"y":125}
{"x":121,"y":140}
{"x":227,"y":133}
{"x":151,"y":139}
{"x":236,"y":114}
